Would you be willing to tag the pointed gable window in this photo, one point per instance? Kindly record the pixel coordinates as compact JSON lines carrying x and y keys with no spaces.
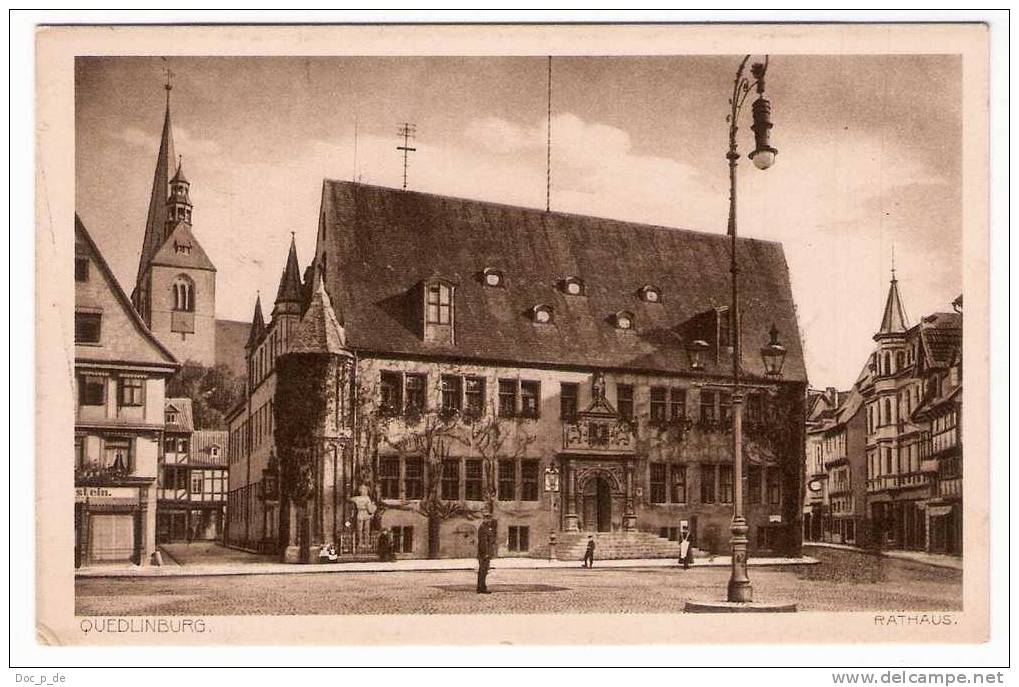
{"x":542,"y":314}
{"x":572,"y":286}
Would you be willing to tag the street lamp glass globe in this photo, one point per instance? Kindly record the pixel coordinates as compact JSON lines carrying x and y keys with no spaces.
{"x":764,"y":159}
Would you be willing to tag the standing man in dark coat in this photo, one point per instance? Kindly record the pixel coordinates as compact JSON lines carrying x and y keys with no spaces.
{"x":588,"y":561}
{"x":486,"y":549}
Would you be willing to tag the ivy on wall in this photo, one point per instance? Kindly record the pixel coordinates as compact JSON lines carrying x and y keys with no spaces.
{"x":302,"y":388}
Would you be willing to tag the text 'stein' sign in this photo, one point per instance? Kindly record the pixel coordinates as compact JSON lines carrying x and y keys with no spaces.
{"x":101,"y":494}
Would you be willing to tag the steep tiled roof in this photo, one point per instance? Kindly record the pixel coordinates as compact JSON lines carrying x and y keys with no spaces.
{"x":942,"y":337}
{"x":380,"y":243}
{"x":319,"y":330}
{"x":134,"y":341}
{"x":185,"y":417}
{"x":231,"y":336}
{"x":202,"y":443}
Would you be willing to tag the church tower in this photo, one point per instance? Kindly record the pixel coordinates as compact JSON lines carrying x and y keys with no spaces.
{"x":175,"y":291}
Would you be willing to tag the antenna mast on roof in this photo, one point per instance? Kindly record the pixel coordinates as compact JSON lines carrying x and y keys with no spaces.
{"x":548,"y":150}
{"x":407,"y":130}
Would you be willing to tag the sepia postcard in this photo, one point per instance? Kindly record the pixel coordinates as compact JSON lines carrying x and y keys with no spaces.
{"x":520,"y":334}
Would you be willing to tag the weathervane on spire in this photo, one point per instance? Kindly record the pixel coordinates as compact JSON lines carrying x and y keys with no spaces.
{"x":893,"y":262}
{"x":169,"y":82}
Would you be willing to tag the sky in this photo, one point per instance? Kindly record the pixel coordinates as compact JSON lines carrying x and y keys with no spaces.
{"x":869,"y":161}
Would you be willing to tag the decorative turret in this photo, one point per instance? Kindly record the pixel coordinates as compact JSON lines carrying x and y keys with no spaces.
{"x":288,"y":297}
{"x":178,"y":205}
{"x":257,"y":325}
{"x":893,"y":322}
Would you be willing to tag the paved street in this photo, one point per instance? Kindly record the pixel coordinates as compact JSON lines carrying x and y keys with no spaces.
{"x":844,"y":581}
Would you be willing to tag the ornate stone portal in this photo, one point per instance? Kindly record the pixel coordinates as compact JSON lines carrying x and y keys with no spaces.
{"x":598,"y":459}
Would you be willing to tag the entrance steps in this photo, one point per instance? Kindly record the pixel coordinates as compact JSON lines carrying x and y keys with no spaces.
{"x":616,"y":545}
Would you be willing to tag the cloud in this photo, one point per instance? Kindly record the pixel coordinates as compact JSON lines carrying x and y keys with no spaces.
{"x":183,"y":141}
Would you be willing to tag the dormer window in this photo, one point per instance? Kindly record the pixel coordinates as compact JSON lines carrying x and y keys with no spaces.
{"x":437,"y":300}
{"x":493,"y":277}
{"x":650,"y":294}
{"x":542,"y":314}
{"x":439,"y":304}
{"x":572,"y":286}
{"x":183,"y":248}
{"x":623,"y":320}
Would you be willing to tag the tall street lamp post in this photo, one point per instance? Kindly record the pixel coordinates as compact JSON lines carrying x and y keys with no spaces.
{"x":740,"y":589}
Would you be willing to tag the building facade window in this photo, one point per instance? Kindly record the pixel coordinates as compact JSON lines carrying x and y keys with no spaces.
{"x":473,"y":479}
{"x":451,"y":479}
{"x":530,"y":398}
{"x":724,"y":407}
{"x":519,"y":538}
{"x":677,"y":404}
{"x":708,"y":415}
{"x":403,"y":538}
{"x":91,"y":390}
{"x":659,"y":404}
{"x":657,"y":482}
{"x":708,"y":475}
{"x":132,"y":391}
{"x":117,"y":454}
{"x":391,"y":392}
{"x":725,"y":489}
{"x":79,"y":451}
{"x":529,"y":480}
{"x":414,"y":386}
{"x":568,"y":400}
{"x":452,"y":393}
{"x":389,"y":477}
{"x":678,"y":494}
{"x":753,"y":484}
{"x":507,"y":397}
{"x":413,"y":478}
{"x":184,"y":294}
{"x":507,"y":480}
{"x":624,"y":400}
{"x":774,"y":486}
{"x":474,"y":396}
{"x":88,"y":327}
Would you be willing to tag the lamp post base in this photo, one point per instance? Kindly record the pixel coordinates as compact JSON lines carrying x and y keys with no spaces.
{"x":739,"y":607}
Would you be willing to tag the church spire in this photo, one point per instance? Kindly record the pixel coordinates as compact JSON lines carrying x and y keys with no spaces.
{"x":165,"y":167}
{"x":894,"y":319}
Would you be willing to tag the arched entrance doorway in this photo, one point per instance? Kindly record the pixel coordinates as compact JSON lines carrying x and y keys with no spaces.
{"x":597,"y":514}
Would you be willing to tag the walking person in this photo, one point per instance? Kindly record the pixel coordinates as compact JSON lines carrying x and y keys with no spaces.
{"x":588,"y":561}
{"x":486,"y":549}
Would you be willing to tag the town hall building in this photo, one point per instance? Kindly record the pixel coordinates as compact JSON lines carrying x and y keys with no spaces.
{"x":446,"y":357}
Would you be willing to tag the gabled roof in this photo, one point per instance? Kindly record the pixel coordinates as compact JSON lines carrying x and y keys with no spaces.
{"x":893,"y":321}
{"x":319,"y":330}
{"x":381,"y":242}
{"x":202,"y":443}
{"x":134,"y":343}
{"x":194,"y":257}
{"x":290,"y":283}
{"x":185,"y":417}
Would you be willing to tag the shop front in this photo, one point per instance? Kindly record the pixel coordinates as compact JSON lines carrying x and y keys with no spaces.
{"x":110,"y":524}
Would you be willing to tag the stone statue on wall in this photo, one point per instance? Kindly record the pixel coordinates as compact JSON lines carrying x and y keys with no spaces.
{"x":598,"y":386}
{"x":365,"y":511}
